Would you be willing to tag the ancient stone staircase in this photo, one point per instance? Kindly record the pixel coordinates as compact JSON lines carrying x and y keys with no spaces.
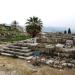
{"x":18,"y":49}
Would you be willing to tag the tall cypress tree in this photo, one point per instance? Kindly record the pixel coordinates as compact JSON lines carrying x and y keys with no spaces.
{"x":69,"y":31}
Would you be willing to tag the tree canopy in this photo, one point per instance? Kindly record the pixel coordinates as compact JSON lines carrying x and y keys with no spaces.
{"x":14,"y":25}
{"x":33,"y":26}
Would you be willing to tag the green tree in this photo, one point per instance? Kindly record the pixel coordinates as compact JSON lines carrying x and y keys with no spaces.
{"x":33,"y":26}
{"x":14,"y":25}
{"x":69,"y":31}
{"x":65,"y":32}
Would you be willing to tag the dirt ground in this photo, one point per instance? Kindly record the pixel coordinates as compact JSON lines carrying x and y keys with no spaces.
{"x":21,"y":67}
{"x":13,"y":64}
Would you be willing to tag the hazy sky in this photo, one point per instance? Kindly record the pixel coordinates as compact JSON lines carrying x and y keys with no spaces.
{"x":52,"y":12}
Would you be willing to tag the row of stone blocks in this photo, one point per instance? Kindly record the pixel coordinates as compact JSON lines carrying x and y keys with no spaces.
{"x":18,"y":49}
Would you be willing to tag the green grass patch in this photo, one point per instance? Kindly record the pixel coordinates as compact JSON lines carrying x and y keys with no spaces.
{"x":16,"y":38}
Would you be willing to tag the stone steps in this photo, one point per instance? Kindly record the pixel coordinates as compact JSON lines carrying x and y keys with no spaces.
{"x":17,"y":53}
{"x":17,"y":49}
